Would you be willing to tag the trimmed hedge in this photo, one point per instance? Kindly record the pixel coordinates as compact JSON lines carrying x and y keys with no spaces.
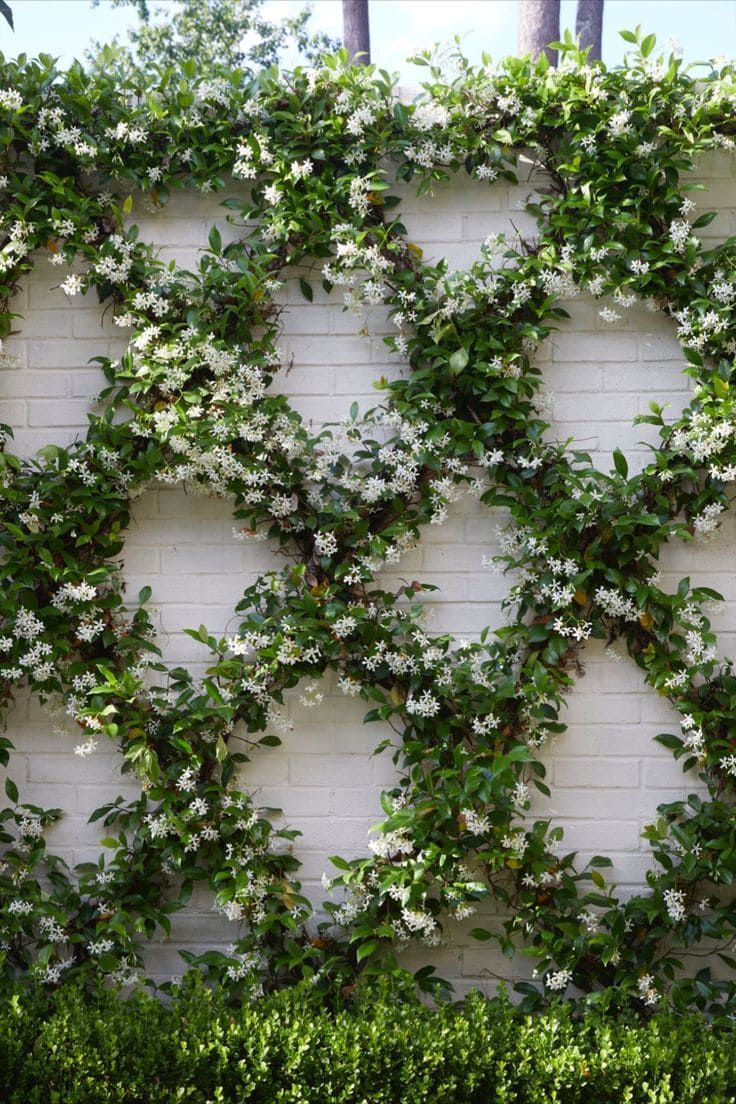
{"x":73,"y":1048}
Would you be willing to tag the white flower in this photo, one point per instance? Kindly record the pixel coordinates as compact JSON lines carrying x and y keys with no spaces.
{"x":311,"y":696}
{"x":102,"y":946}
{"x":430,"y":114}
{"x":72,"y":285}
{"x":11,"y":99}
{"x":478,"y":825}
{"x":559,"y":980}
{"x":301,"y":169}
{"x":344,"y":626}
{"x":619,"y":123}
{"x":187,"y":780}
{"x":426,"y":706}
{"x":325,"y":544}
{"x":647,"y":992}
{"x":674,"y":900}
{"x":27,"y":625}
{"x":85,"y":749}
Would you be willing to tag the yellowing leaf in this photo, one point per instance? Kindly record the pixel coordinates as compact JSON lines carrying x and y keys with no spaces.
{"x":580,"y":597}
{"x":646,"y":620}
{"x":415,"y":249}
{"x":397,"y":695}
{"x":127,"y":205}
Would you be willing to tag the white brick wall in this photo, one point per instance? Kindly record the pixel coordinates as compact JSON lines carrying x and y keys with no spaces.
{"x":606,"y":773}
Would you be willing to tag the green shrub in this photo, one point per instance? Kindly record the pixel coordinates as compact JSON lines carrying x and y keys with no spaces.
{"x":73,"y":1048}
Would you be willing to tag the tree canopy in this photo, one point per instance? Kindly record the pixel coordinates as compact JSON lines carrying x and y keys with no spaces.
{"x":227,"y":32}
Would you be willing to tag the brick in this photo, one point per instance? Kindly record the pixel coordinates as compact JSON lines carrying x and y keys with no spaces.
{"x":98,"y":324}
{"x":187,"y":559}
{"x":70,"y":768}
{"x":175,"y":232}
{"x":321,"y":353}
{"x":659,"y":346}
{"x":17,"y":350}
{"x":601,"y":772}
{"x":13,"y":412}
{"x":56,"y":323}
{"x":26,"y":442}
{"x":43,"y":353}
{"x":601,"y":835}
{"x":451,"y":557}
{"x":654,"y":376}
{"x":363,"y":802}
{"x":297,"y":801}
{"x":87,"y":383}
{"x":343,"y":770}
{"x":66,"y":412}
{"x":561,"y":379}
{"x":594,"y":348}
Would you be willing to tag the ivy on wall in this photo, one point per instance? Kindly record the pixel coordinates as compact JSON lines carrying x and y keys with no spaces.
{"x":195,"y":400}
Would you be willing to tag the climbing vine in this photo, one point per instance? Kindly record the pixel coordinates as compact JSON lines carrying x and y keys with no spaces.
{"x":194,"y":400}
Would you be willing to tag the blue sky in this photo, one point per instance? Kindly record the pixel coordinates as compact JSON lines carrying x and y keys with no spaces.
{"x":704,"y":28}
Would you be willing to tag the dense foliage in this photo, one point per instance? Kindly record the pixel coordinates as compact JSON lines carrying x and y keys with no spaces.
{"x":77,"y":1050}
{"x":318,"y":151}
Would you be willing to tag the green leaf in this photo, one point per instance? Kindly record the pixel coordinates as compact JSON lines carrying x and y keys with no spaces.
{"x":215,"y":240}
{"x":11,"y":790}
{"x":366,"y":949}
{"x":50,"y":452}
{"x":668,"y":741}
{"x":306,"y":289}
{"x":459,"y":360}
{"x":648,"y":45}
{"x":620,"y":463}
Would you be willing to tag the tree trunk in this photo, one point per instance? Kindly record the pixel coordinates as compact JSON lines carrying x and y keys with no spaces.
{"x":589,"y":26}
{"x":356,"y":35}
{"x":539,"y":24}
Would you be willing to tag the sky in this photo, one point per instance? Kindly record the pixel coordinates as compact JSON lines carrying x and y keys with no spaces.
{"x":704,"y":28}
